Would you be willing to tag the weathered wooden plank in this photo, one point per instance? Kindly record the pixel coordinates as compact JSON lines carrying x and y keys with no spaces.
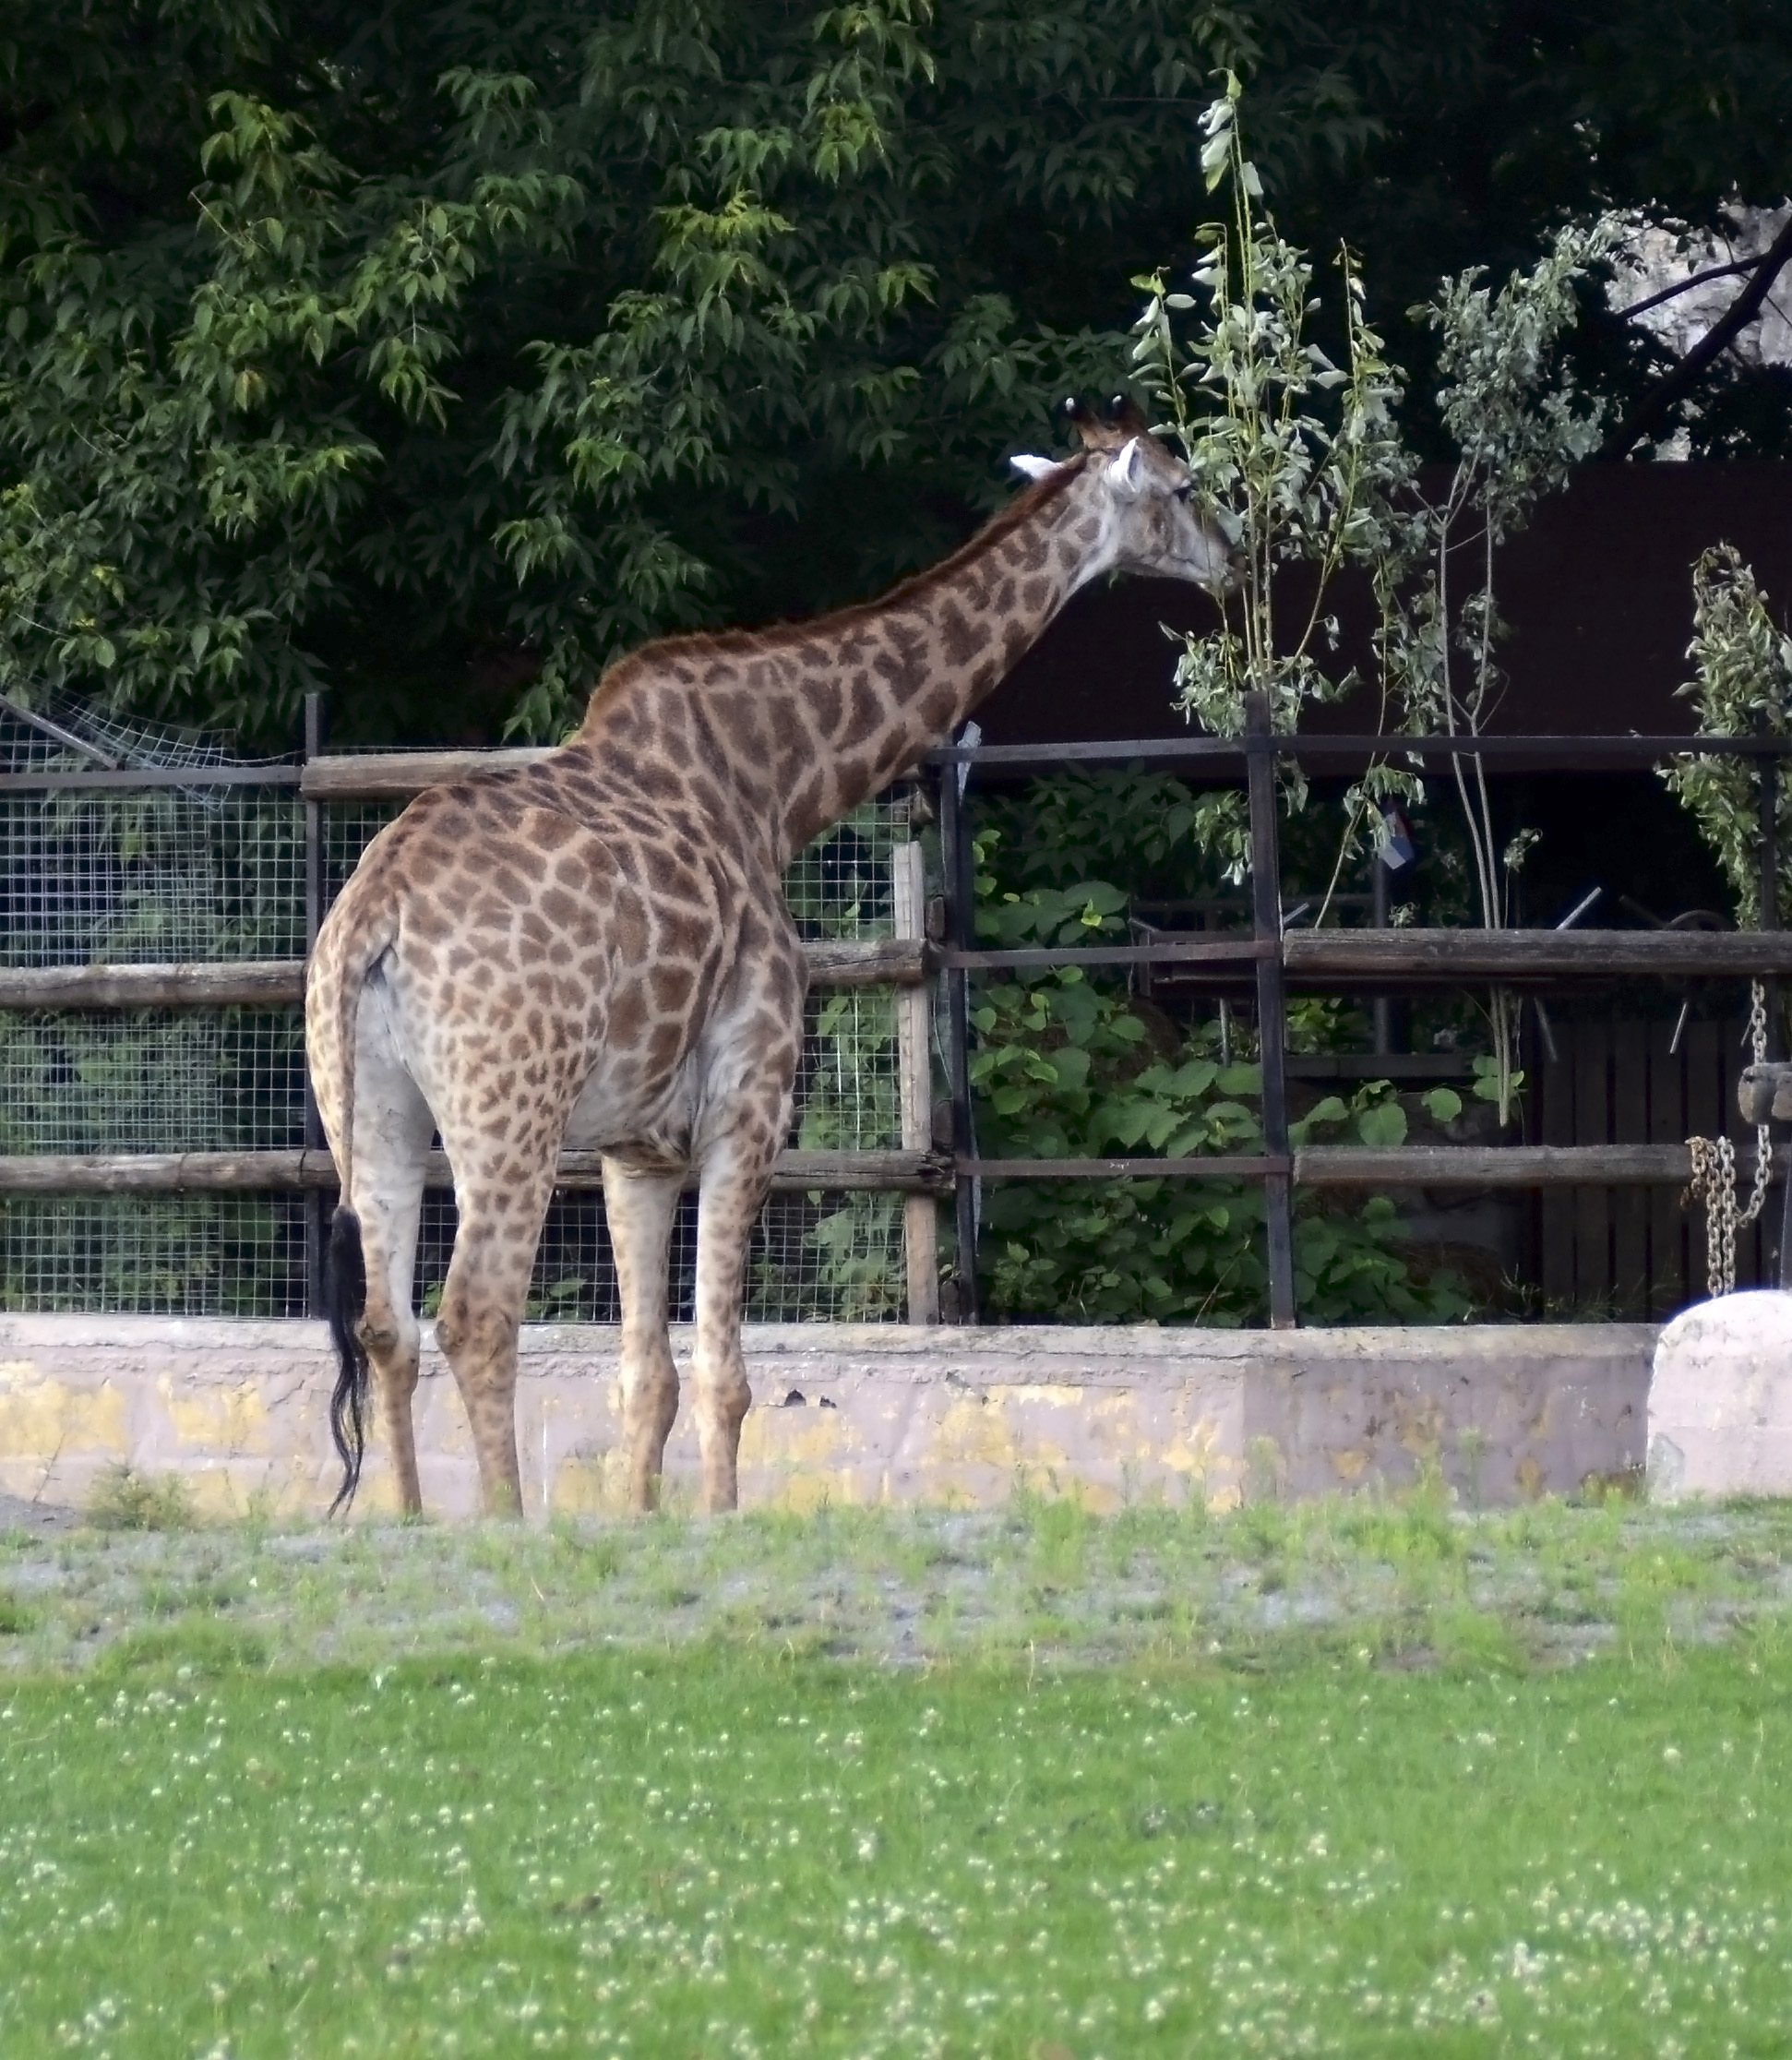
{"x":291,"y":1172}
{"x":1216,"y":1166}
{"x":868,"y":962}
{"x":396,"y":776}
{"x":1165,"y":951}
{"x":1362,"y":955}
{"x":1345,"y":955}
{"x":272,"y":983}
{"x":1543,"y":1166}
{"x":1349,"y":1165}
{"x":250,"y":983}
{"x":908,"y":1172}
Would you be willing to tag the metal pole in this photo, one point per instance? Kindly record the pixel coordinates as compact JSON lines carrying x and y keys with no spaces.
{"x":960,"y":885}
{"x":1272,"y":1008}
{"x":1380,"y":1009}
{"x":1770,"y":920}
{"x":317,"y":1207}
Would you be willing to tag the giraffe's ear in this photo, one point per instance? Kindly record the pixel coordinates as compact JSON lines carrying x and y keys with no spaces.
{"x":1126,"y":471}
{"x":1034,"y":468}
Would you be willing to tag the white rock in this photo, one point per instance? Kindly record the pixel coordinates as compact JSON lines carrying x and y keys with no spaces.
{"x":1720,"y":1402}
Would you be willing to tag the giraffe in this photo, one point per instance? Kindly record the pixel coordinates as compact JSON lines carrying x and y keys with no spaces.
{"x":593,"y":951}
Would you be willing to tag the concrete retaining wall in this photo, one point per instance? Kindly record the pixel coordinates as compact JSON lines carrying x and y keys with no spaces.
{"x":857,"y":1413}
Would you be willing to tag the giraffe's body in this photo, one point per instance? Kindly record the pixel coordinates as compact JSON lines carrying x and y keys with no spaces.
{"x":595,"y":951}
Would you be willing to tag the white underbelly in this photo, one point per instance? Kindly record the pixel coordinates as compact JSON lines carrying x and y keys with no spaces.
{"x":610,"y":1109}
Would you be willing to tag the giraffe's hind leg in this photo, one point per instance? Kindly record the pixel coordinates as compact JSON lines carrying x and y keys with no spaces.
{"x":639,"y":1208}
{"x":738,"y":1157}
{"x":392,"y":1132}
{"x":502,"y":1194}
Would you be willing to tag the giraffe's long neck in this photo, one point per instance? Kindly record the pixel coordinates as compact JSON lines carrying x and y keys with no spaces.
{"x":869,"y":694}
{"x":775,"y":735}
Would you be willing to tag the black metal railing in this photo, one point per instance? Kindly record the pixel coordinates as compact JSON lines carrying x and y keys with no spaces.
{"x":1339,"y":962}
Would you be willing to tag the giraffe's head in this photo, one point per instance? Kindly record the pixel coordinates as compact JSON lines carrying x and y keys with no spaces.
{"x":1151,"y":522}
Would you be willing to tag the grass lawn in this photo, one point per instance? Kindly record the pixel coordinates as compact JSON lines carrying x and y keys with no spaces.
{"x":1360,"y":1779}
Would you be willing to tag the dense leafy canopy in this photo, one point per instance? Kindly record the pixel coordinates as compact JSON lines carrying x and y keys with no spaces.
{"x":432,"y":353}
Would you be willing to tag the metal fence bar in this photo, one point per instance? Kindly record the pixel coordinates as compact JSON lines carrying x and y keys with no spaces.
{"x":1380,"y":1009}
{"x":317,"y":1206}
{"x":1272,"y":1008}
{"x":960,"y":885}
{"x":1770,"y":920}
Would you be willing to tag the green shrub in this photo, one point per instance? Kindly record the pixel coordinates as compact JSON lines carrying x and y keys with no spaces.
{"x":125,"y":1499}
{"x":1069,"y":1065}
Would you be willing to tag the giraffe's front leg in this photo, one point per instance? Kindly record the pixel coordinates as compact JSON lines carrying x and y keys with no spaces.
{"x":639,"y":1208}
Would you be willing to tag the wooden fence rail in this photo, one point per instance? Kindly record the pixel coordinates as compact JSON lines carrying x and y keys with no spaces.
{"x":278,"y":983}
{"x":1356,"y":960}
{"x":294,"y":1172}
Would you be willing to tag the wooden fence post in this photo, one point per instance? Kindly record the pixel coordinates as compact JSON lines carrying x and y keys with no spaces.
{"x":915,"y":1069}
{"x":1272,"y":1007}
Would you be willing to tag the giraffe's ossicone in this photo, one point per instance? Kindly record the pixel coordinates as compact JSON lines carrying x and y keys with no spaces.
{"x":593,"y":951}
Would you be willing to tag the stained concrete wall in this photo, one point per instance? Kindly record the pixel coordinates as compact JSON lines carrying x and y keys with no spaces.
{"x":857,"y":1413}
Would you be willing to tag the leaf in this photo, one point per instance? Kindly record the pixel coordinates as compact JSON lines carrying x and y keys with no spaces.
{"x":1443,"y":1105}
{"x":1071,"y":1067}
{"x":1383,"y":1126}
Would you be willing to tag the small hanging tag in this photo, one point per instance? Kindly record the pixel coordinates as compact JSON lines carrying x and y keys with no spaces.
{"x":1398,"y":851}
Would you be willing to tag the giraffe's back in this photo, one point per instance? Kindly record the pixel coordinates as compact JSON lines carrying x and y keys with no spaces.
{"x":552,"y":948}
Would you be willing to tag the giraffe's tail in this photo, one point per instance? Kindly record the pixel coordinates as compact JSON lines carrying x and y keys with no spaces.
{"x":356,"y":931}
{"x":345,"y":1299}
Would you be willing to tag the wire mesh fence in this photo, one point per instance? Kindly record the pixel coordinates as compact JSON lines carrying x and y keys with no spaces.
{"x":124,"y":875}
{"x":154,"y":1254}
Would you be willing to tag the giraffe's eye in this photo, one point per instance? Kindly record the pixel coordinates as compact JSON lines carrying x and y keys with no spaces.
{"x":1185,"y":492}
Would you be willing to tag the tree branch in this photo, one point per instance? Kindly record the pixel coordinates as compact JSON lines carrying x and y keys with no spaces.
{"x":1686,"y":286}
{"x":1673,"y":386}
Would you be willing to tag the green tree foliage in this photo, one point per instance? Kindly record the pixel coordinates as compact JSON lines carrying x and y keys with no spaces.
{"x":1069,"y":1065}
{"x":435,"y":352}
{"x":1741,"y":684}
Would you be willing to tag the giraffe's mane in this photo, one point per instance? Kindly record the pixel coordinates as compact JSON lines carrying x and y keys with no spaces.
{"x":775,"y":636}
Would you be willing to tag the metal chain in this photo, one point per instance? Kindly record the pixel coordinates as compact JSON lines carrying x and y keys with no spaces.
{"x":1714,"y":1183}
{"x":1713,"y":1173}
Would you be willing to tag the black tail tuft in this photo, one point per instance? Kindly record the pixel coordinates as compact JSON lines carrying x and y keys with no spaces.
{"x":345,"y":1299}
